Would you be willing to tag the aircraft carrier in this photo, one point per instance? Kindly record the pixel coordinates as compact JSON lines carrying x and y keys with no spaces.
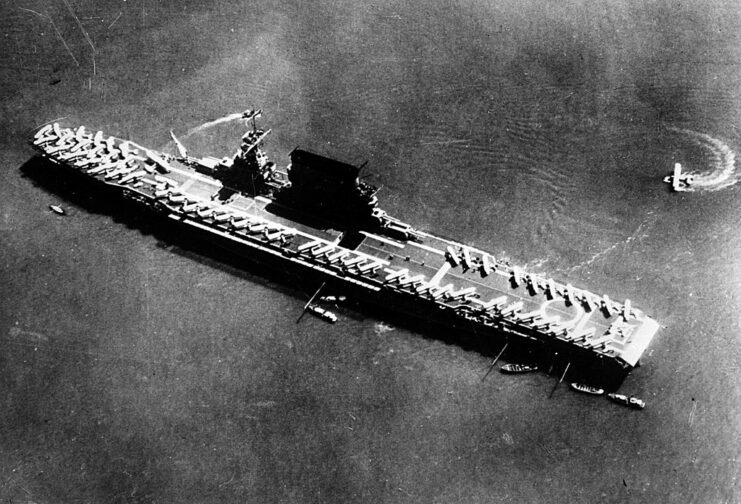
{"x":318,"y":220}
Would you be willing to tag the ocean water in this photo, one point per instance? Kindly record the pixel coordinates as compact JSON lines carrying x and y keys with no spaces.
{"x":137,"y":370}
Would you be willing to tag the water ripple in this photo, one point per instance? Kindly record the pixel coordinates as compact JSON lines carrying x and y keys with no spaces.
{"x":722,"y":161}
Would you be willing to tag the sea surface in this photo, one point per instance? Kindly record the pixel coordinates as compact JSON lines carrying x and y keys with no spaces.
{"x":133,"y":369}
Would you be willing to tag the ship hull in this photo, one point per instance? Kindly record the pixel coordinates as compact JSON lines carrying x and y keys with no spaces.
{"x":406,"y":311}
{"x":375,"y":274}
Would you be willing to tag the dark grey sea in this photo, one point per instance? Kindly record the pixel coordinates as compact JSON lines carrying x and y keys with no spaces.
{"x":133,"y":369}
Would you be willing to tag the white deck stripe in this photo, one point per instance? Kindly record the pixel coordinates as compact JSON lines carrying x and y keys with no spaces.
{"x":429,"y":249}
{"x":382,"y":239}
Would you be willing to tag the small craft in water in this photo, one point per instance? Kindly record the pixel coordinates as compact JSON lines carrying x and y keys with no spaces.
{"x":680,"y":181}
{"x":630,"y":401}
{"x":333,"y":299}
{"x":322,"y":313}
{"x":57,"y":209}
{"x":580,"y":387}
{"x":518,"y":368}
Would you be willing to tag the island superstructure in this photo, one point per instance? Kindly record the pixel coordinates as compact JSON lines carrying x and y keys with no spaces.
{"x":319,"y":220}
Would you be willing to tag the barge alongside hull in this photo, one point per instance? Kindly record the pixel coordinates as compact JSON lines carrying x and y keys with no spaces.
{"x":246,"y":206}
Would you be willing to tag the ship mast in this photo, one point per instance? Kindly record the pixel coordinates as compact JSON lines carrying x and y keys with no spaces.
{"x":251,"y":169}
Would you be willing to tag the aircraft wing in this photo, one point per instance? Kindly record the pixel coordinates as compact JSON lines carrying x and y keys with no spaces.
{"x":157,"y":159}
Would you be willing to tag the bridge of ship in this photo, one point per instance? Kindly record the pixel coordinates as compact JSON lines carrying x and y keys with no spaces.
{"x":457,"y":276}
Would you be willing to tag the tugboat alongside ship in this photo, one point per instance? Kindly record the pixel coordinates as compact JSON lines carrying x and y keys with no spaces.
{"x":57,"y":209}
{"x":586,"y":389}
{"x":323,"y":314}
{"x":518,"y":368}
{"x":630,"y":401}
{"x":319,"y":221}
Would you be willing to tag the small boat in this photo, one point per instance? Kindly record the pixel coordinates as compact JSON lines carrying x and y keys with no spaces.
{"x":322,"y":313}
{"x":57,"y":209}
{"x":518,"y":368}
{"x":333,"y":299}
{"x":580,"y":387}
{"x":630,"y":401}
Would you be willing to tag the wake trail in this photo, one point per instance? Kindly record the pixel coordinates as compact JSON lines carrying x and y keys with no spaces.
{"x":722,"y":162}
{"x":220,"y":120}
{"x":639,"y":234}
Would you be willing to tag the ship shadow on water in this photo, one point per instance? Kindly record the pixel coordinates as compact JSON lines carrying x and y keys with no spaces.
{"x":92,"y":196}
